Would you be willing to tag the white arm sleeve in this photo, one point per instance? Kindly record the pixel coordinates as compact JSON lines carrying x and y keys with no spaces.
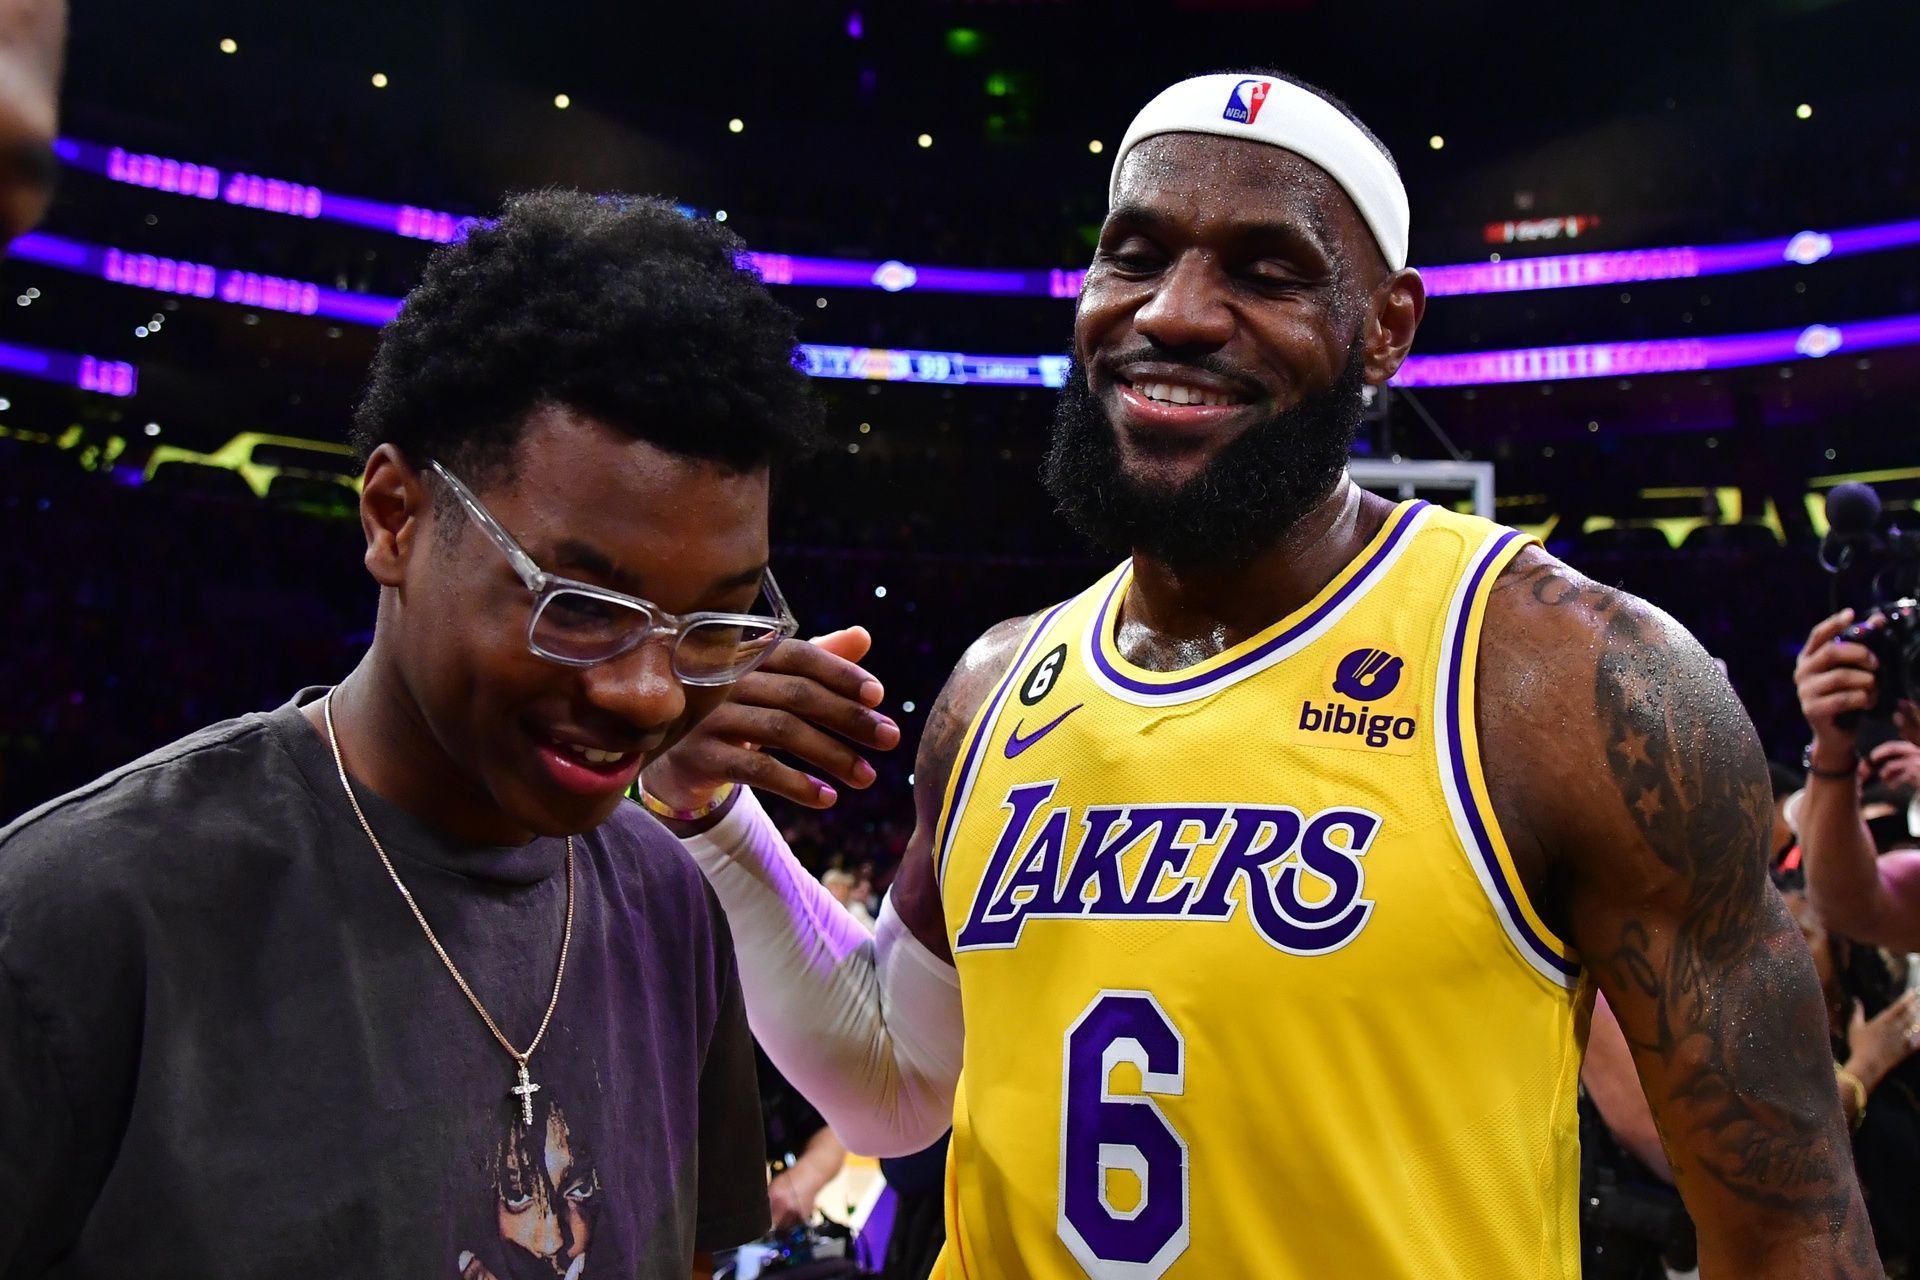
{"x":866,"y":1026}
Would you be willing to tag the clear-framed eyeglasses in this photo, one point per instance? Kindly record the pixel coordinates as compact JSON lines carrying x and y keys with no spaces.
{"x":578,"y":624}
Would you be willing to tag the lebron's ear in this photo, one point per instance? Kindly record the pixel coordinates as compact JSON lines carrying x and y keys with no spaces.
{"x":394,"y":505}
{"x":1393,"y":316}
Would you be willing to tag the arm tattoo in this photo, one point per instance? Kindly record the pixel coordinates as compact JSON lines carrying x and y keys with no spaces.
{"x":1734,"y":1008}
{"x":940,"y":740}
{"x":953,"y":711}
{"x":916,"y":890}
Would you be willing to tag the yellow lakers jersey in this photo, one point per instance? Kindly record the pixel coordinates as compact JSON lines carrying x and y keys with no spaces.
{"x":1250,"y":984}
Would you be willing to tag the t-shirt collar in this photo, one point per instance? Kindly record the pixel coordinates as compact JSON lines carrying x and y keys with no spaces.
{"x":406,"y":837}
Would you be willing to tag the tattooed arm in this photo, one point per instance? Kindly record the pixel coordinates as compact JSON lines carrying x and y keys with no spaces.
{"x":1633,"y":789}
{"x":916,"y":889}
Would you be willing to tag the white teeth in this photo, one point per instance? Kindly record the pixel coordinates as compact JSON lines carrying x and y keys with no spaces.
{"x":1174,"y":393}
{"x":593,"y":755}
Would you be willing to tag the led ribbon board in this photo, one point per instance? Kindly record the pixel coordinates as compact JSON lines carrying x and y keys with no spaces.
{"x":1562,"y":271}
{"x":89,"y":373}
{"x":956,"y":368}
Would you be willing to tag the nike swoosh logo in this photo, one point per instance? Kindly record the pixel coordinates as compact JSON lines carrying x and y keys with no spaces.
{"x":1016,"y":744}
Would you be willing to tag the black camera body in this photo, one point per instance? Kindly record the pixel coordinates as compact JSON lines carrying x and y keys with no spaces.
{"x":1890,"y":559}
{"x":1892,"y":635}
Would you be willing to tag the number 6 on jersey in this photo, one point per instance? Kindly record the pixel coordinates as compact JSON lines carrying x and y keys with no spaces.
{"x":1102,"y":1133}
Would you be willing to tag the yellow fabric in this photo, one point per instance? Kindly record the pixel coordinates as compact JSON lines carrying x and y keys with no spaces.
{"x":1318,"y":993}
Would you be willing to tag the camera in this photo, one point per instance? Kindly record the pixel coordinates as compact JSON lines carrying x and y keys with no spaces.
{"x":1893,"y":636}
{"x":1891,"y":562}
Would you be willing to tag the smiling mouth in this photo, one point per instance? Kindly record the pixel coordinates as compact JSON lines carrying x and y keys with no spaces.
{"x":593,"y":755}
{"x":592,"y":771}
{"x":1178,"y":393}
{"x":603,"y":758}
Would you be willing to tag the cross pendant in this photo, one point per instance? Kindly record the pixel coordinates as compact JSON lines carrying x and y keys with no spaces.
{"x":525,"y":1091}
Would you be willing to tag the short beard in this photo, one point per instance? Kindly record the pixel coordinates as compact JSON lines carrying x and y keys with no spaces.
{"x":1245,"y":500}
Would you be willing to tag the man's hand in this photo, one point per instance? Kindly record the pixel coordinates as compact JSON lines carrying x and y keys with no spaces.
{"x":1834,"y":677}
{"x":809,"y":700}
{"x":791,"y":1202}
{"x":1877,"y":1045}
{"x":1897,"y":762}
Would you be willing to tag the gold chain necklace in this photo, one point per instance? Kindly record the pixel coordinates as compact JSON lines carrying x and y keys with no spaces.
{"x":526,"y":1088}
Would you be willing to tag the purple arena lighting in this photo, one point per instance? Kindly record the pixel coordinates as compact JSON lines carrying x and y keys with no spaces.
{"x":251,"y":191}
{"x":1561,"y":271}
{"x":173,"y":275}
{"x":89,"y":373}
{"x":1670,"y":355}
{"x":956,"y":368}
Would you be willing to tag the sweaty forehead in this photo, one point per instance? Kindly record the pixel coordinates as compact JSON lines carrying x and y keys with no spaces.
{"x":1206,"y":180}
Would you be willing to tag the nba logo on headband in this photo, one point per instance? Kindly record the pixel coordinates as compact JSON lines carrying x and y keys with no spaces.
{"x":1300,"y":121}
{"x":1244,"y":103}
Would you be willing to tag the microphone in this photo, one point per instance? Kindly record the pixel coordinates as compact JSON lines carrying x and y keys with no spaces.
{"x":1852,"y":512}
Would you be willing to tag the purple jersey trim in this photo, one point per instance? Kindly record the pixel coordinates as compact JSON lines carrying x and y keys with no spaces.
{"x":1404,"y":519}
{"x":1482,"y":844}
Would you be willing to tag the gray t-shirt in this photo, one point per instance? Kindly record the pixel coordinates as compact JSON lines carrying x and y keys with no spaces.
{"x":227,"y":1049}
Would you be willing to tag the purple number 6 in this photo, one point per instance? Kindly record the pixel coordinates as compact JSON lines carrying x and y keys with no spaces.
{"x":1102,"y":1131}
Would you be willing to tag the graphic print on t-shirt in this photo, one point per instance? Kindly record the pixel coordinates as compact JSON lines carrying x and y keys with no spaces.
{"x":546,"y":1189}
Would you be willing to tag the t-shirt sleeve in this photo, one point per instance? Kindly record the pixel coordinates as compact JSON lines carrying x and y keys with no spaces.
{"x":43,"y":1210}
{"x":732,"y":1157}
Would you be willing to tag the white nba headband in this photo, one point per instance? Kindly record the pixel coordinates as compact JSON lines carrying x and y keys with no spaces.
{"x":1280,"y":114}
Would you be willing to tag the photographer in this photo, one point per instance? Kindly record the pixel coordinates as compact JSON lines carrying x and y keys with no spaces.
{"x":1859,"y":891}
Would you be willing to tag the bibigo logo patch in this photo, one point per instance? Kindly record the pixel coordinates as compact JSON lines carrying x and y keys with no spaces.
{"x":1368,"y":706}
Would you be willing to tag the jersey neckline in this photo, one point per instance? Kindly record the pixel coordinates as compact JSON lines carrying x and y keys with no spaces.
{"x":1113,"y":672}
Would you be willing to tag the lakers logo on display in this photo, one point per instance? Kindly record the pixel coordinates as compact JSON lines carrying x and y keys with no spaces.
{"x":1367,"y":707}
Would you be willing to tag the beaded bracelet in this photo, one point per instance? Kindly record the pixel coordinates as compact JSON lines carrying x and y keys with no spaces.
{"x":665,"y":810}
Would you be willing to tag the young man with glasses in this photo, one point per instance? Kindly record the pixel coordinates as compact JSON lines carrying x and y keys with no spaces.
{"x":391,"y":981}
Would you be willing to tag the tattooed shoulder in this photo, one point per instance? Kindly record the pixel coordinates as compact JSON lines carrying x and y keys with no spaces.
{"x":916,"y":890}
{"x":1679,"y":750}
{"x":973,"y":678}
